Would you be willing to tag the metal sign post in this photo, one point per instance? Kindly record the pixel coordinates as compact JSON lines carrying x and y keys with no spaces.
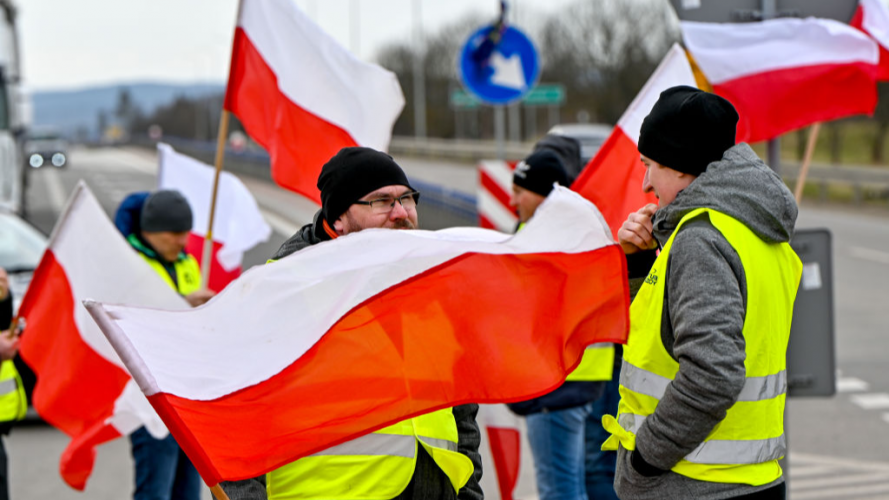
{"x":499,"y":65}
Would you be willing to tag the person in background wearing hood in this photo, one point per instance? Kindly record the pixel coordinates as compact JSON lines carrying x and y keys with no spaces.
{"x":557,"y":422}
{"x":703,"y":381}
{"x":156,"y":225}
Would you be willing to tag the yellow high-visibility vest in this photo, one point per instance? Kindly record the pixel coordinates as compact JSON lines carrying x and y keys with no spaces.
{"x":745,"y":447}
{"x":596,"y":365}
{"x":376,"y":466}
{"x":13,"y":401}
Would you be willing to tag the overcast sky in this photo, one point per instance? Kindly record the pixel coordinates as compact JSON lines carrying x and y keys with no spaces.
{"x":70,"y":44}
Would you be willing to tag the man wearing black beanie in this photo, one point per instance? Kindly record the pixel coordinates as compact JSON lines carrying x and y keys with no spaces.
{"x":362,"y":188}
{"x":703,"y":378}
{"x":533,"y":180}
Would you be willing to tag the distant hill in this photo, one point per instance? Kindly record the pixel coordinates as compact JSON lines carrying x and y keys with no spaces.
{"x":69,"y":110}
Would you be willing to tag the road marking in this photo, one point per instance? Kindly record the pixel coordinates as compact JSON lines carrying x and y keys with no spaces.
{"x":851,"y":384}
{"x":812,"y":477}
{"x":868,"y":254}
{"x":55,"y":189}
{"x":877,"y":401}
{"x":279,"y":224}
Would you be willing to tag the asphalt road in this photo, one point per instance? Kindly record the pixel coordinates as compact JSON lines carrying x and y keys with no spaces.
{"x":839,"y":445}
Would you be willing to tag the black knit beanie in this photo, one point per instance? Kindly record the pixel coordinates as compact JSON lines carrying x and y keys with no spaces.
{"x":165,"y":210}
{"x":688,"y":129}
{"x":539,"y":171}
{"x":353,"y":173}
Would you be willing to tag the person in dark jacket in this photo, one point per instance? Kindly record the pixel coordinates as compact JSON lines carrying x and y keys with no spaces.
{"x":557,"y":421}
{"x":362,"y":189}
{"x":14,"y":403}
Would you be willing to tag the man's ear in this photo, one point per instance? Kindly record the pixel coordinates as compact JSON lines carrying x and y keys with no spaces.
{"x":338,"y":226}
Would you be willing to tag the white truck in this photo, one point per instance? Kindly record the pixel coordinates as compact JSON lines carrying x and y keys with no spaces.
{"x":14,"y":111}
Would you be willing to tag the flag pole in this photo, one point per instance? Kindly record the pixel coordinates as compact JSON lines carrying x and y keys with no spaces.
{"x":218,"y":492}
{"x":807,"y":161}
{"x":207,"y":257}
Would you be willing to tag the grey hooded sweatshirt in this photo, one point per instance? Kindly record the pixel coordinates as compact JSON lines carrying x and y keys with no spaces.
{"x":706,"y":300}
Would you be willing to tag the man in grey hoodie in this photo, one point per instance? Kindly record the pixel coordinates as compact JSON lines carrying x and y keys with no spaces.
{"x":703,"y":380}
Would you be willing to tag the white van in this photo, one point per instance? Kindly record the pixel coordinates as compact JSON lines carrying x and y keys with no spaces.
{"x":13,"y":111}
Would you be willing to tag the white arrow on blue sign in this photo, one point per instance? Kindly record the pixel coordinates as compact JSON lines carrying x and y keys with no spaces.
{"x":502,"y":73}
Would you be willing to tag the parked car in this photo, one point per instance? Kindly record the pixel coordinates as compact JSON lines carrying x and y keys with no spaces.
{"x":46,"y":147}
{"x":590,"y":135}
{"x":21,"y":248}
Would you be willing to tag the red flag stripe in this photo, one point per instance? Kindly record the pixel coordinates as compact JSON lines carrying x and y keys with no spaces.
{"x":613,"y":180}
{"x":776,"y":102}
{"x":72,"y":378}
{"x":392,"y":364}
{"x":297,"y":141}
{"x":219,"y":277}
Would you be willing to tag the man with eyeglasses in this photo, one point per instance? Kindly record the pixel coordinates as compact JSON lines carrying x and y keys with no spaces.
{"x":431,"y":456}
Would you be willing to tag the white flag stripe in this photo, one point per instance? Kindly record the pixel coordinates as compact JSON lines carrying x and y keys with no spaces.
{"x":774,"y":45}
{"x":238,"y":224}
{"x":363,"y":99}
{"x":876,"y":20}
{"x":673,"y":70}
{"x":96,"y":259}
{"x":312,"y":289}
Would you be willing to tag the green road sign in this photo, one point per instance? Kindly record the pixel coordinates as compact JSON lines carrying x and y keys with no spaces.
{"x":541,"y":95}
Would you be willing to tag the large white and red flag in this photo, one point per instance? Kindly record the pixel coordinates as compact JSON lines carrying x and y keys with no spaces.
{"x":302,"y":96}
{"x":238,"y":225}
{"x":82,"y":387}
{"x":784,"y":74}
{"x":872,"y":17}
{"x":613,"y":178}
{"x":352,"y":335}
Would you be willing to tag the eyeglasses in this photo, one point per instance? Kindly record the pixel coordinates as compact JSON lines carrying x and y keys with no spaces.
{"x":385,"y":204}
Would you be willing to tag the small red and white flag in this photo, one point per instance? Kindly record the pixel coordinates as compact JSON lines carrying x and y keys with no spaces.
{"x":613,"y":178}
{"x":238,"y":225}
{"x":784,"y":74}
{"x":504,"y":445}
{"x":872,"y":17}
{"x":302,"y":96}
{"x":82,"y":387}
{"x":349,"y":336}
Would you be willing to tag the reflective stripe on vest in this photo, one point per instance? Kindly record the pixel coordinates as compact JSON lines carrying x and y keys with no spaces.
{"x":376,"y":466}
{"x":745,"y":445}
{"x":13,"y":401}
{"x":597,"y":364}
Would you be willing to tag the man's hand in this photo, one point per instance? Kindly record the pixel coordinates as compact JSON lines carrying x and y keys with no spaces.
{"x":4,"y":284}
{"x":9,"y":345}
{"x":200,"y":297}
{"x":635,"y":234}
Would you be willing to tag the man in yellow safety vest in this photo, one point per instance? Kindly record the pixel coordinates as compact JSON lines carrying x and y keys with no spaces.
{"x":558,"y":422}
{"x":429,"y":457}
{"x":157,"y":226}
{"x":703,"y":381}
{"x":13,"y":402}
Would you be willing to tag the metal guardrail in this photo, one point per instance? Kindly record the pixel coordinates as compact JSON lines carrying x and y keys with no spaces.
{"x":457,"y":149}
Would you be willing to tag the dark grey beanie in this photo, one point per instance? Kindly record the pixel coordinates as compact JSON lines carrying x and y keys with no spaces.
{"x":539,"y":171}
{"x":166,"y":210}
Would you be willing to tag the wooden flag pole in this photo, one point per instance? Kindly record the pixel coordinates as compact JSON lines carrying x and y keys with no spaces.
{"x":807,"y":161}
{"x":218,"y":492}
{"x":207,"y":258}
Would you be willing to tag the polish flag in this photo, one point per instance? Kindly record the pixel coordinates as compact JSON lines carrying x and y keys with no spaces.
{"x":784,"y":74}
{"x":302,"y":96}
{"x":238,"y":225}
{"x":872,"y":17}
{"x":352,"y":335}
{"x":504,"y":442}
{"x":613,"y":178}
{"x":82,"y":387}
